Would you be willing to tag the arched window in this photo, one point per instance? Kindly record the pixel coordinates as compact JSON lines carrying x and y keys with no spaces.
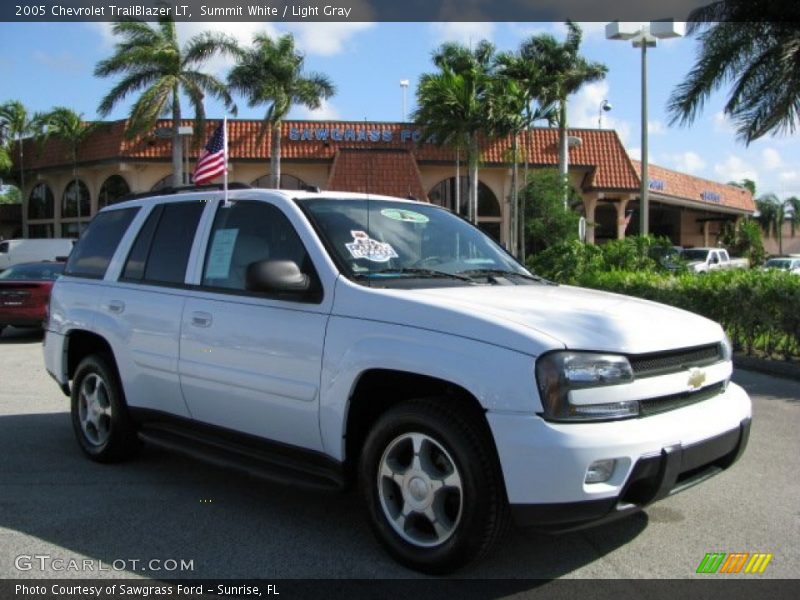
{"x":41,"y":202}
{"x":113,"y":188}
{"x":288,"y":182}
{"x":75,"y":192}
{"x":444,"y":193}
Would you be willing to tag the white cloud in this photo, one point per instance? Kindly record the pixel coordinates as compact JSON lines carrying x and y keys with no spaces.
{"x":465,"y":33}
{"x":686,"y":162}
{"x":734,"y":168}
{"x":771,"y":159}
{"x":583,"y":110}
{"x":722,"y":124}
{"x":63,"y":61}
{"x":636,"y":154}
{"x":656,"y":128}
{"x":325,"y":39}
{"x":789,"y":176}
{"x":326,"y":112}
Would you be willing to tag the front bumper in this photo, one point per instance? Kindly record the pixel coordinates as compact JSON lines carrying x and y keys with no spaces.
{"x":653,"y":477}
{"x":544,"y":464}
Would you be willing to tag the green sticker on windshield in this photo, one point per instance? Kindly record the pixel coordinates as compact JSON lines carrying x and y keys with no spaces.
{"x":407,"y":216}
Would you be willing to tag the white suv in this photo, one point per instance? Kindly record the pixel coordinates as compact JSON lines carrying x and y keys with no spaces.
{"x":332,"y":338}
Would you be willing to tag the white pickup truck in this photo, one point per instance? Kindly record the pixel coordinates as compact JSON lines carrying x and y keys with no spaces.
{"x":340,"y":340}
{"x":703,"y":260}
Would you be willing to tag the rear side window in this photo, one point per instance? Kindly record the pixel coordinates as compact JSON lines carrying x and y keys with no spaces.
{"x":4,"y":248}
{"x":161,"y":251}
{"x":91,"y":255}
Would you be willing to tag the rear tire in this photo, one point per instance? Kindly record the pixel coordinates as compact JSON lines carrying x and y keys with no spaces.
{"x":103,"y":427}
{"x":432,"y":486}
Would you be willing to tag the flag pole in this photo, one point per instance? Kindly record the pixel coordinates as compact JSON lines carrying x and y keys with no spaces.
{"x":225,"y":145}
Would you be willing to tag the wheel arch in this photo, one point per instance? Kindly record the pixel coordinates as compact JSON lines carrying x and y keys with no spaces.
{"x":377,"y":390}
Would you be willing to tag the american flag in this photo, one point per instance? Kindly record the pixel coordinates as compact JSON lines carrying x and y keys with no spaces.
{"x":212,"y":161}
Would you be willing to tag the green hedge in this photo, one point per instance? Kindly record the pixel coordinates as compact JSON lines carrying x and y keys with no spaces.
{"x":760,"y":310}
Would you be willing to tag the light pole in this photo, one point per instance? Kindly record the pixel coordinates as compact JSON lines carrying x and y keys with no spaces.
{"x":404,"y":85}
{"x":644,"y":36}
{"x":605,"y":106}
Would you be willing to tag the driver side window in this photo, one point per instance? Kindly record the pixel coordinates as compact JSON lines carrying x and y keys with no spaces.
{"x":247,"y":232}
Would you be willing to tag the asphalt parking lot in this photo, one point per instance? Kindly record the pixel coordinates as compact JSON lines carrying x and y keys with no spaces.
{"x":54,"y":502}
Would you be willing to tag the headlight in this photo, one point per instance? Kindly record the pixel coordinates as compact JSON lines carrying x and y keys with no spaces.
{"x":727,"y":348}
{"x":558,"y":373}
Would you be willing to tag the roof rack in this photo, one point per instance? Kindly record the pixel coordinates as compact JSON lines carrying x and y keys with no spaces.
{"x":182,"y":189}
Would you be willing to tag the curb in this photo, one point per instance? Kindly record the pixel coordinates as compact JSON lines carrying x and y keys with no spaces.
{"x":787,"y":370}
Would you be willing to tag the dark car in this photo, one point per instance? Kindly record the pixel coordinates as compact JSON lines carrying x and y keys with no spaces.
{"x":25,"y":293}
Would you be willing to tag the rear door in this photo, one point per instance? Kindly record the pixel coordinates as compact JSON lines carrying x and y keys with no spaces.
{"x":141,"y":312}
{"x":251,"y":362}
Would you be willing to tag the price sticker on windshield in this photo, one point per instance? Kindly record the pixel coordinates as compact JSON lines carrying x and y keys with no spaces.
{"x":364,"y":247}
{"x":407,"y":216}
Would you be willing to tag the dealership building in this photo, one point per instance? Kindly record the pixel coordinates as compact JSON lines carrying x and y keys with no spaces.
{"x":380,"y":158}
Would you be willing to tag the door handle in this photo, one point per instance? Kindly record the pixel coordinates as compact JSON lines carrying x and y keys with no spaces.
{"x":201,"y":319}
{"x":116,"y":306}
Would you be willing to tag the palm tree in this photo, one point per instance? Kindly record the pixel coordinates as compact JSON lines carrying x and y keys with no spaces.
{"x":773,"y":213}
{"x":150,"y":60}
{"x":529,"y":77}
{"x":454,"y":104}
{"x":15,"y":125}
{"x":271,"y":72}
{"x":563,"y":72}
{"x":745,"y":184}
{"x":68,"y":126}
{"x":757,"y":47}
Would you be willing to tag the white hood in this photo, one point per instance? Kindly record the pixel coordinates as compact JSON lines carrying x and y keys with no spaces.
{"x":537,"y":318}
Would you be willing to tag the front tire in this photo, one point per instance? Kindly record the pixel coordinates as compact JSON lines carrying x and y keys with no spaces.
{"x":103,"y":427}
{"x":432,"y":486}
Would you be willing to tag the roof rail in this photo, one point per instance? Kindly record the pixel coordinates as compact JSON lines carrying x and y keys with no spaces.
{"x":182,"y":189}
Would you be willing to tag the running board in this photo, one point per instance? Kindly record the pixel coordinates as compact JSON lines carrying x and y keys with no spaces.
{"x":277,"y":465}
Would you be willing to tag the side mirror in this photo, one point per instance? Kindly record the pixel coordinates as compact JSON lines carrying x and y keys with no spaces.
{"x":273,"y":276}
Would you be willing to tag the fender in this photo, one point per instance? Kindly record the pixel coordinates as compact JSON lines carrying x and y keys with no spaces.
{"x":502,"y":380}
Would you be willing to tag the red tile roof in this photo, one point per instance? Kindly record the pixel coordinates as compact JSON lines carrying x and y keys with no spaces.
{"x":389,"y":172}
{"x":666,"y":182}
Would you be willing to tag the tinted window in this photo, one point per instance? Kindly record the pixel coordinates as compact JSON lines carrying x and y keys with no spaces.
{"x":246,"y":232}
{"x":4,"y":248}
{"x":134,"y":266}
{"x":94,"y":250}
{"x":172,"y":242}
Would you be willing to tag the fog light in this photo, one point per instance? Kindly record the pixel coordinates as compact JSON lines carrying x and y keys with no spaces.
{"x":600,"y":470}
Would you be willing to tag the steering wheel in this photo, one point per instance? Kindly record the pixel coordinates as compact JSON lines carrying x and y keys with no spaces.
{"x":428,"y":261}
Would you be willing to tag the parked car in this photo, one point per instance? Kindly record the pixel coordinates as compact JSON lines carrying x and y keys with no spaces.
{"x":339,"y":340}
{"x":784,"y":263}
{"x":669,"y":257}
{"x":14,"y":252}
{"x":25,"y":293}
{"x":703,"y":260}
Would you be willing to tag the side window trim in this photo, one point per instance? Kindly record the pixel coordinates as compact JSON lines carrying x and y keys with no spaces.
{"x":194,"y":269}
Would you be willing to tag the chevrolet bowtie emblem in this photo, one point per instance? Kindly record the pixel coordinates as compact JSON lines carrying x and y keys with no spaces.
{"x":696,"y":378}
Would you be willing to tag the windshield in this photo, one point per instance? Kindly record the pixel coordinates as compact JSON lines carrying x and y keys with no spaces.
{"x":384,"y":239}
{"x":695,"y":254}
{"x":778,"y":263}
{"x":33,"y":272}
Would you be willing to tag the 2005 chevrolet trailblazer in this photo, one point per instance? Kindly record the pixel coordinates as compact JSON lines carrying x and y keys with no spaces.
{"x":331,"y":338}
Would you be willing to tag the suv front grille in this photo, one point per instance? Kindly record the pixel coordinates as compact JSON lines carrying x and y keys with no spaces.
{"x":653,"y":406}
{"x":660,"y":363}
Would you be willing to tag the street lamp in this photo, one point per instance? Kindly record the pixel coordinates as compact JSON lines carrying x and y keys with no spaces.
{"x":644,"y":36}
{"x":605,"y":106}
{"x":404,"y":85}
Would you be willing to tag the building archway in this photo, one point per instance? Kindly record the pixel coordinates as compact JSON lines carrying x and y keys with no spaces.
{"x":41,"y":202}
{"x":490,"y":217}
{"x":76,"y":208}
{"x":113,"y":188}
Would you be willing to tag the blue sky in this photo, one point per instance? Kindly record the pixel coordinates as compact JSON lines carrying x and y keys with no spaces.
{"x":48,"y":64}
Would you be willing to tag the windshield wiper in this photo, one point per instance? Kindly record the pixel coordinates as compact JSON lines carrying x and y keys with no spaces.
{"x":502,"y":273}
{"x":418,"y":273}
